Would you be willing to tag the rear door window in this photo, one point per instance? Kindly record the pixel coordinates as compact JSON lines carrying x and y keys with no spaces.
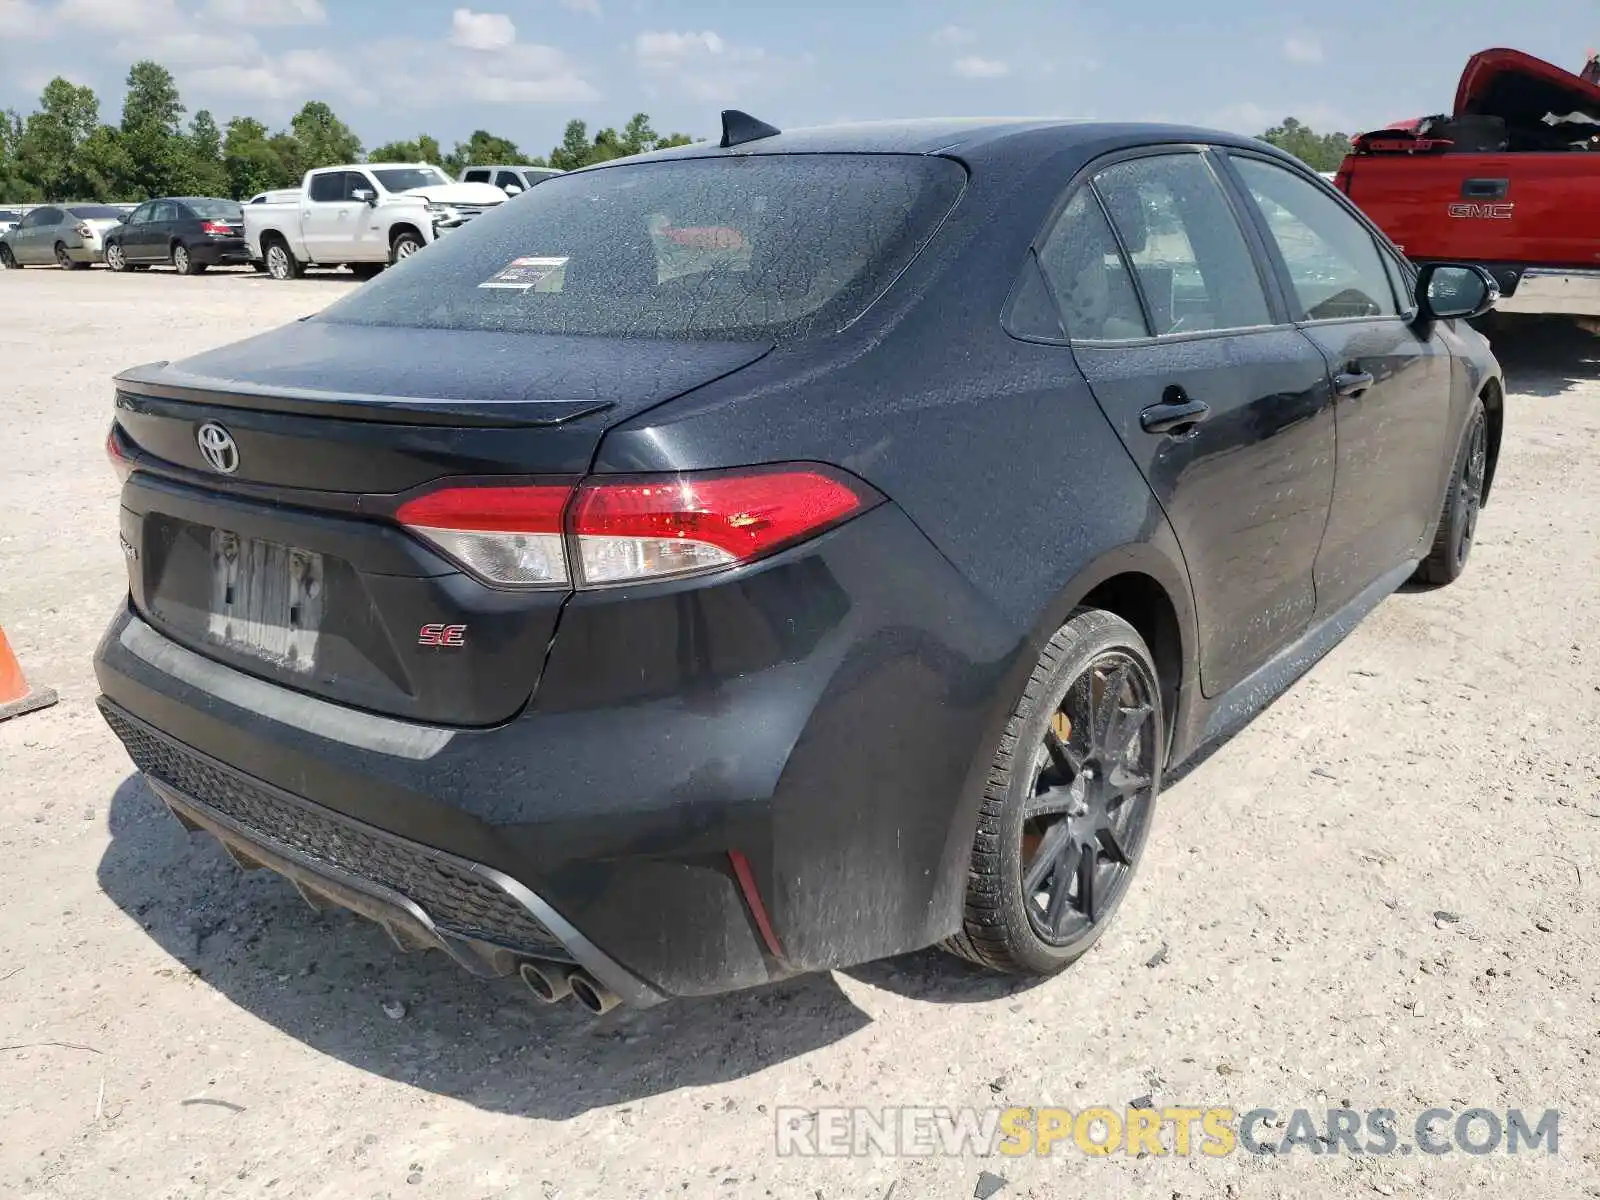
{"x":1089,"y":276}
{"x":475,"y":177}
{"x":727,"y":247}
{"x":1195,"y":269}
{"x":1332,"y":259}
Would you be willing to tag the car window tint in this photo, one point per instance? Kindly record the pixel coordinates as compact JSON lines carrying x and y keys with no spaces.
{"x":507,"y":179}
{"x":1087,"y":273}
{"x":358,"y":181}
{"x":328,"y":187}
{"x":475,"y":177}
{"x":1333,"y":262}
{"x":1194,"y":265}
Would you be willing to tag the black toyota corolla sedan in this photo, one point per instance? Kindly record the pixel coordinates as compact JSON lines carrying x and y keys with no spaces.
{"x":763,"y":557}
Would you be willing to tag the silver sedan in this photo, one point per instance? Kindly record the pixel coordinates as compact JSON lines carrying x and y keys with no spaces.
{"x":70,"y":235}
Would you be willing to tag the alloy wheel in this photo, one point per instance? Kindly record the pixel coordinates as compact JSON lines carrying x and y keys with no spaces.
{"x":114,"y":258}
{"x":278,"y":262}
{"x":1470,"y":494}
{"x":63,"y":259}
{"x":1090,"y":805}
{"x":405,"y":248}
{"x":180,"y":259}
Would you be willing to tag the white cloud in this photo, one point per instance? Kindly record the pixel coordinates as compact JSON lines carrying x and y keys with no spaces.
{"x":973,"y":67}
{"x":592,"y":7}
{"x":954,"y":35}
{"x":190,"y":47}
{"x":20,"y":19}
{"x":704,"y":65}
{"x":290,"y":79}
{"x":267,"y":12}
{"x":1303,"y":48}
{"x":481,"y":31}
{"x":119,"y":16}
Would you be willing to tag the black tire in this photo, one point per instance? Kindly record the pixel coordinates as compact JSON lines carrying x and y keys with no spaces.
{"x":280,"y":261}
{"x":1458,"y":520}
{"x":8,"y":261}
{"x":405,"y":244}
{"x":183,"y":261}
{"x":116,"y":260}
{"x":1060,"y":748}
{"x":65,"y":260}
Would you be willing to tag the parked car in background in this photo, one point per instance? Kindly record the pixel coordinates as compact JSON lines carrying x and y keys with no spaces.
{"x":742,"y":561}
{"x":68,"y":235}
{"x":363,"y":216}
{"x":191,"y":233}
{"x":1509,"y":178}
{"x":512,"y":180}
{"x":9,"y":218}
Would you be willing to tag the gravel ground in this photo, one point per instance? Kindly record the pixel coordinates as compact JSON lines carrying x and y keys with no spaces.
{"x":1380,"y":894}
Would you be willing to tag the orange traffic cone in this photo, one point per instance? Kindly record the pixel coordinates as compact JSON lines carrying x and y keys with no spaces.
{"x":15,"y":698}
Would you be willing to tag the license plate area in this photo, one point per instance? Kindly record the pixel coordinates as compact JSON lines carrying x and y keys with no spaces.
{"x":266,"y":599}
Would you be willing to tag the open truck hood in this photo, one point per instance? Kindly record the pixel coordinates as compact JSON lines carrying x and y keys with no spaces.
{"x":1521,"y":89}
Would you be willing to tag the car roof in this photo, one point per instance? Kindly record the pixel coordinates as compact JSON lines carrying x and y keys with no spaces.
{"x":967,"y":138}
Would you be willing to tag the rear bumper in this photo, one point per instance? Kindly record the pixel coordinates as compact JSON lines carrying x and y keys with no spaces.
{"x":224,"y":252}
{"x":1554,"y":291}
{"x":87,"y":254}
{"x":816,"y":719}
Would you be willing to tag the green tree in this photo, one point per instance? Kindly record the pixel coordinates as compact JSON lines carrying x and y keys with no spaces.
{"x":1319,"y":151}
{"x":424,"y":149}
{"x":484,"y":149}
{"x":324,"y":139}
{"x":152,"y":135}
{"x":13,"y":187}
{"x":573,"y":152}
{"x":248,"y":161}
{"x":636,"y":137}
{"x":208,"y":176}
{"x":104,"y":167}
{"x":47,"y":148}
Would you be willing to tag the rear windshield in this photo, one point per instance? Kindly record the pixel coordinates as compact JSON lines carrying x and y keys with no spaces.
{"x":757,"y":246}
{"x":216,"y":210}
{"x":96,"y":212}
{"x":403,"y":179}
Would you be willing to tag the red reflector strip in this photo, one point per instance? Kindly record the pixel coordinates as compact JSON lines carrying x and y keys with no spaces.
{"x":533,"y":509}
{"x":752,"y":899}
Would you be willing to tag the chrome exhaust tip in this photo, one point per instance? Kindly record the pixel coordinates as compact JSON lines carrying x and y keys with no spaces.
{"x":550,"y":982}
{"x":591,"y":993}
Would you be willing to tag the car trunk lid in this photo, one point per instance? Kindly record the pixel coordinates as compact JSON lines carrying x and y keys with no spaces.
{"x":259,"y":526}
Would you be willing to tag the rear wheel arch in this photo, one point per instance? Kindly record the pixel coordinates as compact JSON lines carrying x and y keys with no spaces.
{"x":1494,"y":407}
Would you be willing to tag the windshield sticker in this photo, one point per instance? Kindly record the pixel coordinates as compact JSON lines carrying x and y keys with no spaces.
{"x":529,"y":274}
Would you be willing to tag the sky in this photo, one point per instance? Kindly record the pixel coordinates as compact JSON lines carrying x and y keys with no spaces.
{"x":522,"y":68}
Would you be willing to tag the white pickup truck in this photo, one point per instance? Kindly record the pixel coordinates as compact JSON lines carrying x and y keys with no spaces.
{"x":363,"y":216}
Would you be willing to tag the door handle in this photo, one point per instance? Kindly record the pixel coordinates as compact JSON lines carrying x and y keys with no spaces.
{"x":1176,"y":414}
{"x":1351,"y":384}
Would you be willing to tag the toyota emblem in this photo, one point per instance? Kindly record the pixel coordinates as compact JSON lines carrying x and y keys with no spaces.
{"x":217,"y":447}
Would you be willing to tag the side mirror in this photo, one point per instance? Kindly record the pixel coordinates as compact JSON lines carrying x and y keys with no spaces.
{"x":366,"y":196}
{"x":1452,"y":291}
{"x":512,"y":189}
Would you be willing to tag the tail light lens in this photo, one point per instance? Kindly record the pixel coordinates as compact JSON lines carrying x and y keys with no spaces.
{"x":120,"y":462}
{"x":84,"y":231}
{"x":216,"y":229}
{"x":604,"y":532}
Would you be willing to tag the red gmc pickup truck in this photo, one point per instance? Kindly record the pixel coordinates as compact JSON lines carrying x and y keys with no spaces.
{"x":1509,"y":179}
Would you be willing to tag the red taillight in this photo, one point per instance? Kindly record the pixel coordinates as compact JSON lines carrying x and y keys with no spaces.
{"x":641,"y":529}
{"x":216,"y":229}
{"x":608,"y":532}
{"x":507,"y":535}
{"x":120,"y":462}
